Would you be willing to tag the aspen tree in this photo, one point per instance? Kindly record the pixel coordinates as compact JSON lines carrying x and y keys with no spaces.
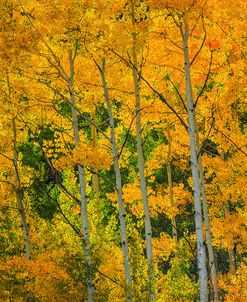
{"x":95,"y":174}
{"x":170,"y":189}
{"x":20,"y":195}
{"x":81,"y":172}
{"x":211,"y":256}
{"x":17,"y":184}
{"x":201,"y":252}
{"x":232,"y":267}
{"x":143,"y":185}
{"x":122,"y":215}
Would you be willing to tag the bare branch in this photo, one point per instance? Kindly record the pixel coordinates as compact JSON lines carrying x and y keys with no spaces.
{"x":205,"y":140}
{"x":202,"y":44}
{"x":178,"y":93}
{"x":206,"y":80}
{"x":101,"y":176}
{"x":75,"y":229}
{"x":226,"y":136}
{"x":161,"y":97}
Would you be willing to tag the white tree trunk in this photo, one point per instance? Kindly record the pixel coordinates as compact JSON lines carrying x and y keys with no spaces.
{"x":95,"y":175}
{"x":170,"y":189}
{"x":211,"y":256}
{"x":19,"y":196}
{"x":147,"y":221}
{"x":81,"y":172}
{"x":201,"y":251}
{"x":143,"y":185}
{"x":121,"y":210}
{"x":232,"y":267}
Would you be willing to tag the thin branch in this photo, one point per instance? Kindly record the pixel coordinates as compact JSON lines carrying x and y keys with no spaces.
{"x":7,"y":182}
{"x":175,"y":44}
{"x":100,"y":175}
{"x":206,"y":80}
{"x":194,"y":26}
{"x":164,"y":100}
{"x":161,"y":97}
{"x":104,"y":275}
{"x":46,"y":44}
{"x":6,"y":208}
{"x":110,"y":88}
{"x":55,"y":90}
{"x":189,"y":244}
{"x":178,"y":93}
{"x":226,"y":136}
{"x":94,"y":269}
{"x":127,"y":135}
{"x":75,"y":229}
{"x":58,"y":181}
{"x":5,"y":156}
{"x":128,"y":132}
{"x":205,"y":140}
{"x":202,"y":44}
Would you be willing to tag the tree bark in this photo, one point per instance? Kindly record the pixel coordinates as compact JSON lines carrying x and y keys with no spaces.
{"x":143,"y":185}
{"x":83,"y":200}
{"x":211,"y":255}
{"x":95,"y":176}
{"x":201,"y":252}
{"x":169,"y":176}
{"x":19,"y":196}
{"x":232,"y":267}
{"x":122,"y":215}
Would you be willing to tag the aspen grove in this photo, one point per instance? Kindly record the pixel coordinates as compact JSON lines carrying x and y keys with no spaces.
{"x":123,"y":150}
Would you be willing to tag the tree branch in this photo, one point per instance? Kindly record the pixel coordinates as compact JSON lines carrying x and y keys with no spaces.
{"x":206,"y":80}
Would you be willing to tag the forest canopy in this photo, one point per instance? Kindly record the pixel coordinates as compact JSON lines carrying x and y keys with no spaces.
{"x":123,"y":150}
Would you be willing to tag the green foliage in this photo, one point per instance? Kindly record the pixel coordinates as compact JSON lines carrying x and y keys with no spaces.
{"x":44,"y":199}
{"x":31,"y":155}
{"x":64,"y":108}
{"x":161,"y":223}
{"x":153,"y":138}
{"x":84,"y":124}
{"x":9,"y":239}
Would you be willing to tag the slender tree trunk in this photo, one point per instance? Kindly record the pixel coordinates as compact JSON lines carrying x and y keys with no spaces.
{"x":18,"y":189}
{"x":122,"y":216}
{"x":169,"y":176}
{"x":143,"y":185}
{"x":81,"y":172}
{"x":201,"y":252}
{"x":211,"y":255}
{"x":232,"y":267}
{"x":19,"y":197}
{"x":95,"y":175}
